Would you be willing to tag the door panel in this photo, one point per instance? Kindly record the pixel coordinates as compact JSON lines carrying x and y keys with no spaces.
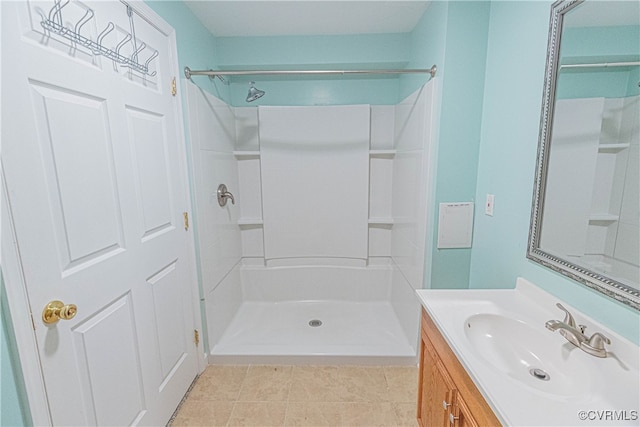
{"x":77,"y":208}
{"x":148,"y":134}
{"x":100,"y":369}
{"x":166,"y":293}
{"x":93,"y":173}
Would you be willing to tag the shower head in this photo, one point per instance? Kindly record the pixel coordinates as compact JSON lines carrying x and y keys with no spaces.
{"x":254,"y":93}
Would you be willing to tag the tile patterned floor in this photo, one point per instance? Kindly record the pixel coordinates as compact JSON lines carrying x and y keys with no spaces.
{"x":312,"y":396}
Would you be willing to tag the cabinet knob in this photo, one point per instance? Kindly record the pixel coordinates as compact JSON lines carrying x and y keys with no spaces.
{"x":452,"y":419}
{"x":445,"y":405}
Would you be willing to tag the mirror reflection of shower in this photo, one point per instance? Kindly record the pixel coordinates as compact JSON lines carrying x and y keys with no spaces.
{"x":254,"y":93}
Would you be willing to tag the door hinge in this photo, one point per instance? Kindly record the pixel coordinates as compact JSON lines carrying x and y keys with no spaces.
{"x":174,"y":88}
{"x":196,"y":337}
{"x":186,"y":221}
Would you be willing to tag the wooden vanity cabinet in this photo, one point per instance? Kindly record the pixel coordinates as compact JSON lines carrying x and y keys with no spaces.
{"x":446,"y":394}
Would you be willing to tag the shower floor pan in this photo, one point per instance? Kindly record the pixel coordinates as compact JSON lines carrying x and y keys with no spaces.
{"x":357,"y":333}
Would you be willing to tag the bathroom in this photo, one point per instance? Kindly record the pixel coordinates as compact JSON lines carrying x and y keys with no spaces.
{"x":491,"y":63}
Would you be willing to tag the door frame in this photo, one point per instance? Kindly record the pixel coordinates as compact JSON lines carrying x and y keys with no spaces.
{"x":16,"y":288}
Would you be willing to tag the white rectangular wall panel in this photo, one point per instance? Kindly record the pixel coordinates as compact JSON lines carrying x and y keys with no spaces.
{"x":455,"y":225}
{"x":382,"y":127}
{"x":212,"y":130}
{"x":411,"y":190}
{"x":315,"y":181}
{"x":246,"y":119}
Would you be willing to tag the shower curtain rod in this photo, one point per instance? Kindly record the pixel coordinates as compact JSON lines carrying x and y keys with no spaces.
{"x":602,"y":65}
{"x":188,"y":72}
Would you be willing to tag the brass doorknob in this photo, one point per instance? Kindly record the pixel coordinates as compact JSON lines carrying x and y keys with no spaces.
{"x":57,"y":310}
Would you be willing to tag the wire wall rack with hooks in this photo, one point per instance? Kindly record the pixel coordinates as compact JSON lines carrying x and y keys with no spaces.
{"x":53,"y":24}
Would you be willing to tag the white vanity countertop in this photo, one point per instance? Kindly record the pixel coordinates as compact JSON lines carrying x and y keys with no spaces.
{"x":583,"y":389}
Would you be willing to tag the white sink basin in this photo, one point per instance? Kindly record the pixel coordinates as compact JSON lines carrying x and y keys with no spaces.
{"x":499,"y":335}
{"x":527,"y":354}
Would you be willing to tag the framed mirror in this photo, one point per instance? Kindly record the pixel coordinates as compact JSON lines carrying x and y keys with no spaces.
{"x":585,"y":216}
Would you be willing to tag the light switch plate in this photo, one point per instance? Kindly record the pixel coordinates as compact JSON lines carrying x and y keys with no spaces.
{"x":488,"y":206}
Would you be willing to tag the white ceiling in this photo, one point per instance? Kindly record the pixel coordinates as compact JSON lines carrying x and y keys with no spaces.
{"x":226,"y":18}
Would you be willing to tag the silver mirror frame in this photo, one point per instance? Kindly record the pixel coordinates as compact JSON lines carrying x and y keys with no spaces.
{"x":592,"y":279}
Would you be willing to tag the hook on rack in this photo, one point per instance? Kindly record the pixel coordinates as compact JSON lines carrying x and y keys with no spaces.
{"x":151,"y":58}
{"x":56,"y":11}
{"x":53,"y":23}
{"x":88,"y":15}
{"x":134,"y":55}
{"x":124,"y":41}
{"x":103,"y":34}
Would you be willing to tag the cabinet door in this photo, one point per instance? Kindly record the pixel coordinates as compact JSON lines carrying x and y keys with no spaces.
{"x":444,"y":379}
{"x":437,"y":389}
{"x":460,"y":415}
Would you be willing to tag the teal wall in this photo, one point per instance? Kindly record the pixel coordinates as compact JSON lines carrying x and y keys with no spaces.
{"x":364,"y":51}
{"x":633,"y":84}
{"x":196,"y":45}
{"x":14,"y":410}
{"x":426,"y":47}
{"x":594,"y":45}
{"x":516,"y":56}
{"x":462,"y":70}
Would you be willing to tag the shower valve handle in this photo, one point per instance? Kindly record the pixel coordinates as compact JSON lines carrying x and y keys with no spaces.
{"x":223,"y":195}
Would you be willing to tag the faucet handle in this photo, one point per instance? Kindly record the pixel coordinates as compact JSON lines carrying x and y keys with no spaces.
{"x":597,"y":339}
{"x":595,"y":345}
{"x":568,"y":318}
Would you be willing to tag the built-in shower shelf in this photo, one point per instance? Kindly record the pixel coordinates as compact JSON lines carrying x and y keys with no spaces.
{"x":246,"y":154}
{"x":612,"y":148}
{"x":250,"y":221}
{"x":603,"y":218}
{"x":382,"y":153}
{"x":380,"y":221}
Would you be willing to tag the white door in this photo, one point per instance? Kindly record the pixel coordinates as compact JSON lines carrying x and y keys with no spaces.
{"x":93,"y":167}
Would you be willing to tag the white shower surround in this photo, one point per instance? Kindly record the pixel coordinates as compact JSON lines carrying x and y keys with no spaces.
{"x":260,"y":314}
{"x":314,"y":167}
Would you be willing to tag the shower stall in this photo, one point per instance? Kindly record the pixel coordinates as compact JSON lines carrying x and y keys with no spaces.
{"x":318,"y":258}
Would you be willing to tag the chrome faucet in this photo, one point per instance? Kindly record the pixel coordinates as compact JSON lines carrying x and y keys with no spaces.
{"x":575,"y":334}
{"x":568,"y":329}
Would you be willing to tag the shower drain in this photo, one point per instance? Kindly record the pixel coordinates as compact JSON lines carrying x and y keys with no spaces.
{"x":539,"y":374}
{"x":315,"y":323}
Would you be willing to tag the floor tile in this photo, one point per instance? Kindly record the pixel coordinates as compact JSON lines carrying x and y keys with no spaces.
{"x":402,"y":382}
{"x":362,"y":414}
{"x":314,"y":396}
{"x":406,"y":414}
{"x":315,"y":384}
{"x":266,"y":383}
{"x":219,"y":383}
{"x":362,"y":384}
{"x":262,"y":414}
{"x":313,"y":414}
{"x":203,"y":413}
